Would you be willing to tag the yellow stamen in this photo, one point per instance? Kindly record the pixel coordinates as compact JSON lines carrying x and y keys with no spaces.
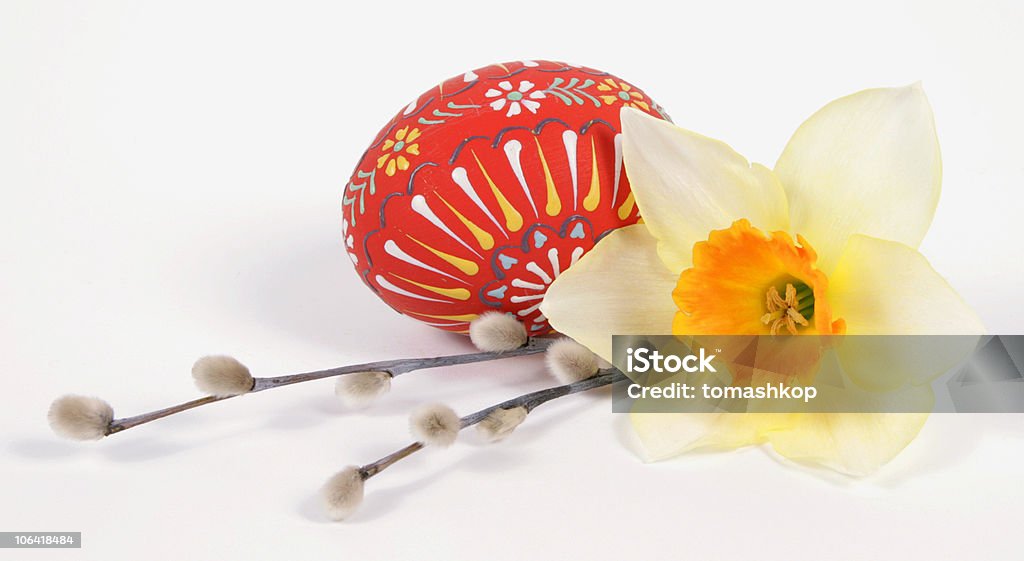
{"x":783,"y":311}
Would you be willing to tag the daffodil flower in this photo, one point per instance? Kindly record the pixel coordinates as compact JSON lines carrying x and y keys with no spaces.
{"x":823,"y":244}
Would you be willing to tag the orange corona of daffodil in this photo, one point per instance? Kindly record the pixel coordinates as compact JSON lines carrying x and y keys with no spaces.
{"x":823,"y":244}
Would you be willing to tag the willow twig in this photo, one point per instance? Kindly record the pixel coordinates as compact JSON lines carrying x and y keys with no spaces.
{"x":395,"y":367}
{"x":529,"y":401}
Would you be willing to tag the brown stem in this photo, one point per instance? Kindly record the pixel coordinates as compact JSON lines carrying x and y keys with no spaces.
{"x":369,"y":470}
{"x":530,"y":401}
{"x":118,"y":425}
{"x":395,"y":367}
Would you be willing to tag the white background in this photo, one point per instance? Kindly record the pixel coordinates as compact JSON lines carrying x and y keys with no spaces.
{"x":171,"y":175}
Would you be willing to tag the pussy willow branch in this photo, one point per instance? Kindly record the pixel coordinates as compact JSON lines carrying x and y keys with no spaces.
{"x":395,"y":367}
{"x":528,"y":401}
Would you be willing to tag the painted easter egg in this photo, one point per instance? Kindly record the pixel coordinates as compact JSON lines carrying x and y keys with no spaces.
{"x":482,"y":190}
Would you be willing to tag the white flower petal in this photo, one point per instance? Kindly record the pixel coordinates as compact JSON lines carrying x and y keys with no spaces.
{"x":852,"y":440}
{"x":492,"y":93}
{"x":513,"y":109}
{"x":525,"y":86}
{"x":851,"y":443}
{"x":498,"y":104}
{"x":505,"y":85}
{"x":881,"y":287}
{"x":687,"y":185}
{"x":665,"y":435}
{"x":537,"y":94}
{"x":868,"y":164}
{"x":620,"y":287}
{"x":531,"y":105}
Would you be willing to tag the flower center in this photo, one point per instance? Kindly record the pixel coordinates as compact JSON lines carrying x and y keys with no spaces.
{"x":795,"y":309}
{"x":399,"y":145}
{"x":515,"y":96}
{"x":744,"y":282}
{"x":624,"y":96}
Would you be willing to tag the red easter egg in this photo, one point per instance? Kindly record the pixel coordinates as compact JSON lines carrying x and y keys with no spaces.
{"x":485,"y":188}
